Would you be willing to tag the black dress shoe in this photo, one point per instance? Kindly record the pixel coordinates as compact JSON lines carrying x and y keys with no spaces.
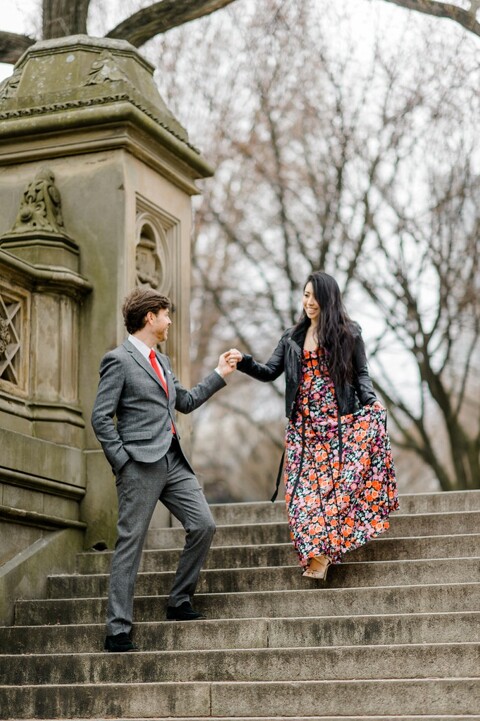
{"x":120,"y":642}
{"x":184,"y":612}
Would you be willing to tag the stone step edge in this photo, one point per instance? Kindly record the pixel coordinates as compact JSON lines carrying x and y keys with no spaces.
{"x":291,"y":684}
{"x":394,"y":515}
{"x":428,"y":717}
{"x":286,"y":544}
{"x":232,"y":594}
{"x":269,"y":650}
{"x":407,"y":497}
{"x":278,"y":568}
{"x":243,"y":619}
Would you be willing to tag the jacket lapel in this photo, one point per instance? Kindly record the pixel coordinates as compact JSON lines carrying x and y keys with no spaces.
{"x":293,"y":343}
{"x":297,"y":339}
{"x":143,"y":362}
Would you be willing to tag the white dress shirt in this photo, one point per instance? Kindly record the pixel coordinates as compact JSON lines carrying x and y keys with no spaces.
{"x":145,"y":351}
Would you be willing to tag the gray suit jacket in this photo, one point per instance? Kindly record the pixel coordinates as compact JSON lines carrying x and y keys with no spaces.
{"x":130,"y":391}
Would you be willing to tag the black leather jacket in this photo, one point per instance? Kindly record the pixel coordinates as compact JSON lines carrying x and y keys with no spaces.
{"x":287,"y":357}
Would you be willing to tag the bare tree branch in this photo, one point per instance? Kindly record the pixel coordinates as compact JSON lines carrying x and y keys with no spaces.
{"x":463,"y":17}
{"x":275,"y":439}
{"x":162,"y":16}
{"x":12,"y":46}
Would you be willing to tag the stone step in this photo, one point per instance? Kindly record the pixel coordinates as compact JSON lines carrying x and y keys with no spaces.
{"x":440,"y":502}
{"x":346,"y":575}
{"x":426,"y":524}
{"x":429,"y":717}
{"x":283,"y":554}
{"x":393,"y":634}
{"x":423,"y":717}
{"x":267,"y":512}
{"x":442,"y":598}
{"x":456,"y":660}
{"x":252,"y":633}
{"x":291,"y":699}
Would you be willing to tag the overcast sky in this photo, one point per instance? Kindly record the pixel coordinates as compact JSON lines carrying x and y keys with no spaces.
{"x":13,"y":16}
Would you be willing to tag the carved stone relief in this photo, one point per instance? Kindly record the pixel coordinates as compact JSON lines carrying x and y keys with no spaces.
{"x":9,"y":87}
{"x":10,"y":338}
{"x":40,"y":207}
{"x":105,"y":70}
{"x":4,"y":336}
{"x":152,"y":254}
{"x":147,"y":262}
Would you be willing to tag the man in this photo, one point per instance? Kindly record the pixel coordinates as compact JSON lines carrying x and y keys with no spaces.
{"x":138,"y":388}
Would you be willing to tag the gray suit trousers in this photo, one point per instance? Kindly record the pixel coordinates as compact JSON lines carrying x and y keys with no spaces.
{"x":139,"y":487}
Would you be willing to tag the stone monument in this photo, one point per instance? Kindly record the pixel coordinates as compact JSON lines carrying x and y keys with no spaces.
{"x":96,"y":179}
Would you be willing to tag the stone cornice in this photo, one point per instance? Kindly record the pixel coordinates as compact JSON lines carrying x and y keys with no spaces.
{"x":28,"y":111}
{"x":46,"y":278}
{"x":12,"y":402}
{"x":78,"y":82}
{"x":119,"y":125}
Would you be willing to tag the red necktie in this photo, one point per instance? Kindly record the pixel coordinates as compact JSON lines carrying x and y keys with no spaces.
{"x":156,"y":368}
{"x":161,"y":377}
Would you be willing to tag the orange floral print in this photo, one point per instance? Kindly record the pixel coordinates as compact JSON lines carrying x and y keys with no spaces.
{"x":335,"y":507}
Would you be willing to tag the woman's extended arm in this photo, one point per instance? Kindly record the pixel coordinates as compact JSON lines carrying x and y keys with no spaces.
{"x":268,"y":371}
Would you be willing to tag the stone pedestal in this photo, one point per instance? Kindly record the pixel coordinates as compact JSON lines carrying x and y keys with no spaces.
{"x":84,"y":131}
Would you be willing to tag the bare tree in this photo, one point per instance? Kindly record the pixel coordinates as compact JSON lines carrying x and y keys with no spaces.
{"x":70,"y":17}
{"x":347,"y":151}
{"x":429,"y":299}
{"x":358,"y":159}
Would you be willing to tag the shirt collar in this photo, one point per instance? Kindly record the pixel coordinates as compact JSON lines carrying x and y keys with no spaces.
{"x":140,"y":346}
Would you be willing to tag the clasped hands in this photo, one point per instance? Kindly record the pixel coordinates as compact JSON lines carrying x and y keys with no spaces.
{"x":227,"y":363}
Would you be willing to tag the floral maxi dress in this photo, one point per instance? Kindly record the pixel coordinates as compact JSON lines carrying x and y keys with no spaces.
{"x":335,"y":507}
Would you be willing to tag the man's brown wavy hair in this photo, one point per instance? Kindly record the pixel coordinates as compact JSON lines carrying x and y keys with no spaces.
{"x":140,"y":302}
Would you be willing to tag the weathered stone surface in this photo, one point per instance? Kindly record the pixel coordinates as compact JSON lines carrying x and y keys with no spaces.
{"x":280,"y":578}
{"x":95,"y":190}
{"x":380,"y":629}
{"x":82,"y":71}
{"x":407,"y":650}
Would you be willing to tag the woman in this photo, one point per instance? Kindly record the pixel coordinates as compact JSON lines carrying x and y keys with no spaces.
{"x":339,"y":475}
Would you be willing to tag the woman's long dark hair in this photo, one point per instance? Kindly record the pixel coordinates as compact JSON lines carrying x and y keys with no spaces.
{"x":334,"y":329}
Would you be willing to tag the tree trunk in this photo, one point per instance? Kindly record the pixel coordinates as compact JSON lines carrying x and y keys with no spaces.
{"x":64,"y":17}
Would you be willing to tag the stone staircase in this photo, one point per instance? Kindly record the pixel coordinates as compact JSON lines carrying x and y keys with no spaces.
{"x":393,"y":634}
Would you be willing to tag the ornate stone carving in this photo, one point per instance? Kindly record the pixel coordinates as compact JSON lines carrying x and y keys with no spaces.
{"x":40,"y":208}
{"x":156,"y":235}
{"x":10,"y":332}
{"x":4,"y":336}
{"x":105,"y":70}
{"x":148,"y":264}
{"x":9,"y":87}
